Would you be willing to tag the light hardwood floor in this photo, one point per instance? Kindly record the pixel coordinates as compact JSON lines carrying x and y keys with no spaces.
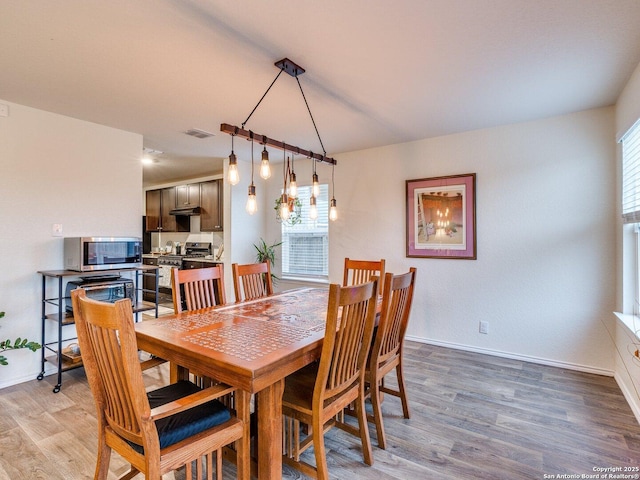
{"x":473,"y":417}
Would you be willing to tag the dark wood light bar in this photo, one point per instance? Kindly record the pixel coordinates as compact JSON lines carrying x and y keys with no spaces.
{"x":264,"y":140}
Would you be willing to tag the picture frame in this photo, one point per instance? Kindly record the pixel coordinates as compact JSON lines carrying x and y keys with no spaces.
{"x":441,"y":217}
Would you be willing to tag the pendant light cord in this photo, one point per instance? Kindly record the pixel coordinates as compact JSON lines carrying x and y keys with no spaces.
{"x":265,"y":94}
{"x":333,"y":181}
{"x":251,"y":157}
{"x":285,"y":169}
{"x":312,"y":120}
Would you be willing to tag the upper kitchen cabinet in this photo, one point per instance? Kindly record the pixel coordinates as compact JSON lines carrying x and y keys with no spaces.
{"x":159,"y":204}
{"x":188,"y":195}
{"x":153,"y":212}
{"x":168,"y":203}
{"x":211,"y":206}
{"x":205,"y":196}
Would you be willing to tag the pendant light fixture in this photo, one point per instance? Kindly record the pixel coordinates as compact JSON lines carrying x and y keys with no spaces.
{"x":293,"y":185}
{"x":265,"y":168}
{"x":313,"y":209}
{"x":232,"y":173}
{"x":284,"y":199}
{"x":252,"y":205}
{"x":333,"y":208}
{"x":285,"y":65}
{"x":315,"y":185}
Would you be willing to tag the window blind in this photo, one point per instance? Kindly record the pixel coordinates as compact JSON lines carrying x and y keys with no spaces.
{"x":305,"y":246}
{"x":631,"y":175}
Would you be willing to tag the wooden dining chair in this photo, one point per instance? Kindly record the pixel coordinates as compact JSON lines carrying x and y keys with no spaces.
{"x":197,"y":288}
{"x":252,"y":281}
{"x":158,"y":431}
{"x":315,"y":395}
{"x":194,"y":289}
{"x":386,"y":351}
{"x":360,"y":271}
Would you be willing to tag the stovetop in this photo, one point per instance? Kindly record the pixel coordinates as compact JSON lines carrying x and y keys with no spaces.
{"x":192,"y":250}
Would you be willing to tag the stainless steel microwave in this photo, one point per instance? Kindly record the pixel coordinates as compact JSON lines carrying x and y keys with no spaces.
{"x":87,"y":254}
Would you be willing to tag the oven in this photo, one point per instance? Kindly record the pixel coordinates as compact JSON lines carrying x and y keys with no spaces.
{"x":104,"y":289}
{"x":167,"y":262}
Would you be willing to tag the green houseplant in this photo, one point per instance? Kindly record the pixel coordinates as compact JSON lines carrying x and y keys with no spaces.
{"x":295,"y":211}
{"x":18,"y":344}
{"x":267,"y":252}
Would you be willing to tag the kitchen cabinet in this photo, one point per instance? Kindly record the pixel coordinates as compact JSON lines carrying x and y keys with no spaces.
{"x":211,"y":206}
{"x":54,"y":311}
{"x":188,"y":195}
{"x":149,"y":282}
{"x":191,"y":263}
{"x":153,"y":211}
{"x":159,"y":203}
{"x":206,"y":195}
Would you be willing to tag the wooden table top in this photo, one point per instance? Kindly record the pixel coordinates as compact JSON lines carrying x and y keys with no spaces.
{"x":249,"y":345}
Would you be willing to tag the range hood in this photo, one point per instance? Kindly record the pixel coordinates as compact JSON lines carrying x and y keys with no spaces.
{"x":185,"y":211}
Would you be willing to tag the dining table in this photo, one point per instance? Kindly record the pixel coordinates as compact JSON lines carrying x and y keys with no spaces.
{"x":251,"y":346}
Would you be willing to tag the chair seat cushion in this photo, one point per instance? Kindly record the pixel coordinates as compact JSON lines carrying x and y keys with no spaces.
{"x":185,"y":424}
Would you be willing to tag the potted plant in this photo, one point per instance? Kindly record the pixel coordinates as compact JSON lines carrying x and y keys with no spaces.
{"x":295,"y":211}
{"x":18,"y":344}
{"x":267,"y":252}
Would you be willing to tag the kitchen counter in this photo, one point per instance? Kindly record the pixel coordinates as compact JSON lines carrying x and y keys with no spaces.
{"x":199,"y":259}
{"x":209,"y":260}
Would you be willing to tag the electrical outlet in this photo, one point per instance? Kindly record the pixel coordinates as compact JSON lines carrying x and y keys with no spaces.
{"x":56,"y":230}
{"x":484,"y":327}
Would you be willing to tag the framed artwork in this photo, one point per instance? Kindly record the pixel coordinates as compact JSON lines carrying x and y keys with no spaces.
{"x":441,"y":217}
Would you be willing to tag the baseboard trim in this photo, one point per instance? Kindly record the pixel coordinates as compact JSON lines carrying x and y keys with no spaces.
{"x":524,"y":358}
{"x":631,"y":398}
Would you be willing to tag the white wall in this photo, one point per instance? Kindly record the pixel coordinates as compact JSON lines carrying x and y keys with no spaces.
{"x":241,"y":230}
{"x":56,"y":169}
{"x":545,"y":274}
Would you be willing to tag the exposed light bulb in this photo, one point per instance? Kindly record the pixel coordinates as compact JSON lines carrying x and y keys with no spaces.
{"x":232,"y":175}
{"x":252,"y":205}
{"x":313,"y":209}
{"x":333,"y":210}
{"x":293,"y":186}
{"x":284,"y":212}
{"x":265,"y":169}
{"x":147,"y":160}
{"x":284,"y":207}
{"x":316,"y":186}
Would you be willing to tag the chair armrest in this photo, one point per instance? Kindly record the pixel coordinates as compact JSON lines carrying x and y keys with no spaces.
{"x":190,"y":401}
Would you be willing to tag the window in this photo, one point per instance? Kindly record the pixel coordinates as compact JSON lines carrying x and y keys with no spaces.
{"x":305,"y":246}
{"x":631,"y":175}
{"x":631,"y":212}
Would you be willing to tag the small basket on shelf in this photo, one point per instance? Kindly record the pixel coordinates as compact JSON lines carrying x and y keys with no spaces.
{"x":71,"y":353}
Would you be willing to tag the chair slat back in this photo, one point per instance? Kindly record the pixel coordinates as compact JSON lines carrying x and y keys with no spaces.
{"x":108,"y":344}
{"x":361,"y":271}
{"x":252,"y":281}
{"x":202,"y":287}
{"x":394,"y":315}
{"x":349,"y":328}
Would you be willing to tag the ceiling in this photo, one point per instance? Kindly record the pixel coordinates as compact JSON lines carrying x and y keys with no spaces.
{"x":378,"y":72}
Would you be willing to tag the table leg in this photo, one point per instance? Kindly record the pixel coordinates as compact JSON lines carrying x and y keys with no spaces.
{"x":176,"y":372}
{"x":269,"y":406}
{"x":243,"y":447}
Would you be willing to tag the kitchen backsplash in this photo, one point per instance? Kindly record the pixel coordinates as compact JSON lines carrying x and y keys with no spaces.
{"x":161,"y":239}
